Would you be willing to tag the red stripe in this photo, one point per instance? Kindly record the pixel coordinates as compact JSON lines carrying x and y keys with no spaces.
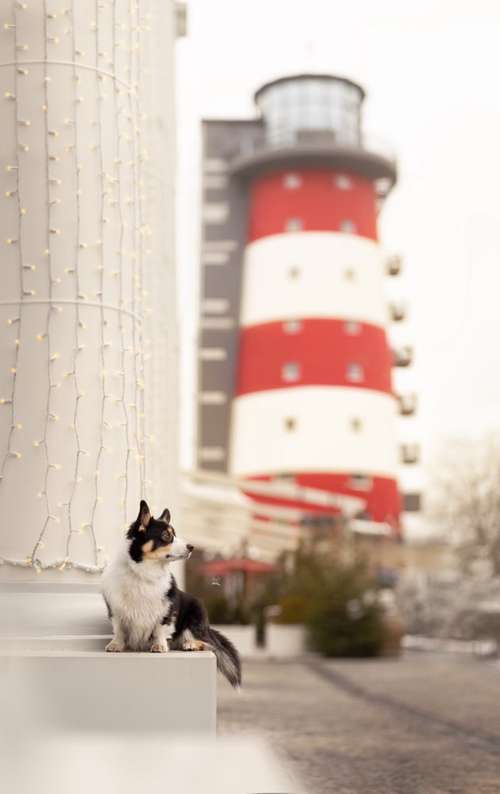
{"x":383,"y":501}
{"x":318,"y":202}
{"x":323,"y":351}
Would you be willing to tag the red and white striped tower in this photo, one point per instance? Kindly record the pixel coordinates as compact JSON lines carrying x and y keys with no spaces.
{"x":314,"y":398}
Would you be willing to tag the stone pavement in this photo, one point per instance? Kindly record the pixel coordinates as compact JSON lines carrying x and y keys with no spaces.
{"x":424,"y":724}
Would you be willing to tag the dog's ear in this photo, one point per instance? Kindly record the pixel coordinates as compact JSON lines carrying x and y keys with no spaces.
{"x":144,"y":516}
{"x":165,"y":516}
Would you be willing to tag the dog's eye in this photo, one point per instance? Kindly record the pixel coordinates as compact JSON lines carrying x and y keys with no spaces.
{"x":165,"y":536}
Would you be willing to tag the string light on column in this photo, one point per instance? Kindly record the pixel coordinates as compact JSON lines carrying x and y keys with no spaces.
{"x":43,"y":275}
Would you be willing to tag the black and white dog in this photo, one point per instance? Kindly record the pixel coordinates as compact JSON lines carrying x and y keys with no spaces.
{"x":147,"y":609}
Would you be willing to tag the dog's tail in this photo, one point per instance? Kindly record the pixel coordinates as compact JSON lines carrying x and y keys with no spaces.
{"x":228,"y":659}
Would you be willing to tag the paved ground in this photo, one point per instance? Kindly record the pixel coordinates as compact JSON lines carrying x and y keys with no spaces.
{"x":420,"y":725}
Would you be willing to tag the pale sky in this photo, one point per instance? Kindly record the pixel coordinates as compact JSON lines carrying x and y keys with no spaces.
{"x":431,"y":70}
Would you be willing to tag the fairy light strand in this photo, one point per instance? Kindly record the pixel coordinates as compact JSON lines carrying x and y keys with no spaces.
{"x":16,"y":170}
{"x":62,"y":141}
{"x":118,"y":167}
{"x":72,"y":64}
{"x":140,"y":240}
{"x":133,"y":122}
{"x":78,"y":321}
{"x":50,"y":386}
{"x":102,"y":359}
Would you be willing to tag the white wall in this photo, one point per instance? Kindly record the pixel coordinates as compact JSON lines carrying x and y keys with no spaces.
{"x":321,"y":288}
{"x":323,"y":439}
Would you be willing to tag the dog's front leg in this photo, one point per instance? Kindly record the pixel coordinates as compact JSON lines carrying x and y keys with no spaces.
{"x":117,"y":644}
{"x":160,"y":644}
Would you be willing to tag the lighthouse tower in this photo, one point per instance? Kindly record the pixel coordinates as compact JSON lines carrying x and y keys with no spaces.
{"x":294,"y":310}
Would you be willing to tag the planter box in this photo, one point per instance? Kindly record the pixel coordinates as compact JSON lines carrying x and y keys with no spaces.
{"x":242,"y":637}
{"x":284,"y":640}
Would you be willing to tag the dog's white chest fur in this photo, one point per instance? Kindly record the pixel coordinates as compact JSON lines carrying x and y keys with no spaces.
{"x":137,"y":597}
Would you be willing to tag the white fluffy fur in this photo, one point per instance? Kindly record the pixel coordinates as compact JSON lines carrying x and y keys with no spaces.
{"x":136,"y":594}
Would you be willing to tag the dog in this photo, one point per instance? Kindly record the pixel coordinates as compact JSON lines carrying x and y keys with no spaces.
{"x":147,"y":609}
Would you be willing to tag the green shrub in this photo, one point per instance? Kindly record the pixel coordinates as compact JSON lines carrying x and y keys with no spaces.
{"x":293,"y":609}
{"x":343,"y":619}
{"x":336,"y":601}
{"x":333,"y":631}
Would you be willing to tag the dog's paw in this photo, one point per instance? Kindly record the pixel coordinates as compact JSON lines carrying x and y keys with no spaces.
{"x":193,"y":645}
{"x":115,"y":647}
{"x":159,"y":647}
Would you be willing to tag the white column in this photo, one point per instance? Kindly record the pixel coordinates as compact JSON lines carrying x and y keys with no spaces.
{"x":79,"y":257}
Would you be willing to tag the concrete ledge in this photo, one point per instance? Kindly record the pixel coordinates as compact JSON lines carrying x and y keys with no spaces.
{"x":66,"y":642}
{"x":52,"y":613}
{"x":46,"y":691}
{"x":97,"y":763}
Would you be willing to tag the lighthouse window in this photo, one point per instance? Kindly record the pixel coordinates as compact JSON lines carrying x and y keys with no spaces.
{"x":292,"y":181}
{"x":352,"y":327}
{"x":294,"y":272}
{"x":347,"y":226}
{"x":356,"y":424}
{"x":355,"y":372}
{"x":290,"y":371}
{"x":343,"y":182}
{"x":360,"y":482}
{"x":350,"y":274}
{"x":290,"y":423}
{"x":294,"y":225}
{"x":292,"y":326}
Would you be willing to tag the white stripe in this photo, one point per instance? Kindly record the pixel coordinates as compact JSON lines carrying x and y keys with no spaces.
{"x":307,"y":275}
{"x":323,"y":439}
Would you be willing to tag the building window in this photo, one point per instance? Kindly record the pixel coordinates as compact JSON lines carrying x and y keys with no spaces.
{"x":343,"y":182}
{"x":215,"y":182}
{"x":290,"y":371}
{"x":217,"y":323}
{"x":360,"y":482}
{"x":212,"y":454}
{"x":292,"y":181}
{"x":215,"y":165}
{"x":294,"y":272}
{"x":215,"y":212}
{"x":220,"y":245}
{"x":354,"y":372}
{"x":215,"y":306}
{"x":215,"y":258}
{"x":347,"y":226}
{"x":213,"y":397}
{"x":213,"y":354}
{"x":292,"y":326}
{"x":352,"y":327}
{"x":294,"y":225}
{"x":290,"y":423}
{"x":350,"y":274}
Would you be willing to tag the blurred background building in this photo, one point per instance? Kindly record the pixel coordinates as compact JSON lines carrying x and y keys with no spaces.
{"x":296,"y":384}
